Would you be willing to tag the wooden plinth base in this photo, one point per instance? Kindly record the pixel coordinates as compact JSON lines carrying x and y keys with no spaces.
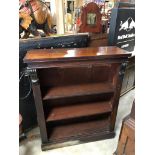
{"x":78,"y":140}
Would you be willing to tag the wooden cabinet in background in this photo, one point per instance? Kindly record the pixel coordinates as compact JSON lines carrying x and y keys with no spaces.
{"x":76,"y":93}
{"x":129,"y":76}
{"x":98,"y":39}
{"x":126,"y":144}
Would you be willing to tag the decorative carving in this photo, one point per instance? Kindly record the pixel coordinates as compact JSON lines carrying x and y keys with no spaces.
{"x":33,"y":75}
{"x":122,"y":70}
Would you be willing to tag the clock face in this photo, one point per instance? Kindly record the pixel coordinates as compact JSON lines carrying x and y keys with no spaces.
{"x":91,"y":19}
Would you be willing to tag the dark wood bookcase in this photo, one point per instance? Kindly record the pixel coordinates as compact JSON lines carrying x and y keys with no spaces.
{"x":76,"y":92}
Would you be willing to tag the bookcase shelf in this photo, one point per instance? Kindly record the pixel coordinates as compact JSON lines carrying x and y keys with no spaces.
{"x":78,"y":110}
{"x":78,"y":130}
{"x":76,"y":93}
{"x":78,"y":90}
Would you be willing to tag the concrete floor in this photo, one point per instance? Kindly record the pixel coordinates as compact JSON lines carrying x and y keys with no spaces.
{"x":32,"y":145}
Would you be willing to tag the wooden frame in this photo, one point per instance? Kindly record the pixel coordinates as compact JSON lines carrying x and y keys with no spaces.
{"x":91,"y":12}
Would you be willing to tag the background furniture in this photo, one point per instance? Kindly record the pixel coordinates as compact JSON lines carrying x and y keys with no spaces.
{"x":126,"y":144}
{"x":129,"y":77}
{"x":76,"y":92}
{"x":98,"y":39}
{"x":91,"y":18}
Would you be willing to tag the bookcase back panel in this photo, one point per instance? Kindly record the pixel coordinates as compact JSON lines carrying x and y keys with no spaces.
{"x":75,"y":75}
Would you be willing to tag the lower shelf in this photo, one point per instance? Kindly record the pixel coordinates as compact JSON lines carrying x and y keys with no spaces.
{"x":79,"y":132}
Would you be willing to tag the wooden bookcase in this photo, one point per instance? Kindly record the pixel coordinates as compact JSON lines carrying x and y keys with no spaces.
{"x":76,"y":93}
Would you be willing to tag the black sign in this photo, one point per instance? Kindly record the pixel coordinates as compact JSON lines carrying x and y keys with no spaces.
{"x":122,"y":28}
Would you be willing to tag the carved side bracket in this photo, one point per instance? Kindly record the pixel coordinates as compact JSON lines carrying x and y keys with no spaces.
{"x":33,"y":75}
{"x":122,"y":70}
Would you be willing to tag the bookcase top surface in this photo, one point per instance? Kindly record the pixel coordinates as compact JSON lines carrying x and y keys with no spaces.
{"x":37,"y":55}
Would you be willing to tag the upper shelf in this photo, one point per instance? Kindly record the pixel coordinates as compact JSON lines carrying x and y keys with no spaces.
{"x":45,"y":55}
{"x":78,"y":90}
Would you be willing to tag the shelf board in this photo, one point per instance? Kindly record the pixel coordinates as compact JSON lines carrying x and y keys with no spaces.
{"x":77,"y":111}
{"x":78,"y":90}
{"x":74,"y":131}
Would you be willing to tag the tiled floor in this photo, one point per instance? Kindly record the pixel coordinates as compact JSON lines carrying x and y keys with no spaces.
{"x":31,"y":146}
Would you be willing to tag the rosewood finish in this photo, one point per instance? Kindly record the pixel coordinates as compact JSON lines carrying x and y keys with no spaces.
{"x":76,"y":92}
{"x":64,"y":54}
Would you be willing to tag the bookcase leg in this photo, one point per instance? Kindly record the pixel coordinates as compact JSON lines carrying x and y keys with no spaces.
{"x":39,"y":104}
{"x":115,"y":102}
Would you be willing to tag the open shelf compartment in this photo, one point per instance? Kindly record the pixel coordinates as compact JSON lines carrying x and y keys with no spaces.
{"x":78,"y":130}
{"x":77,"y":90}
{"x":78,"y":110}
